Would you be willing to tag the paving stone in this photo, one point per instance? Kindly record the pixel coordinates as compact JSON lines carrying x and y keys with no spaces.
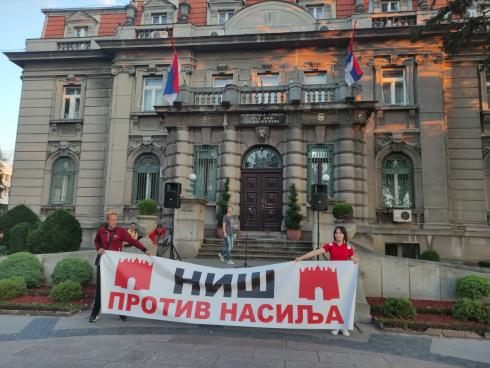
{"x":203,"y":359}
{"x":355,"y":359}
{"x":401,"y":362}
{"x":452,"y":333}
{"x":238,"y":352}
{"x":257,"y":343}
{"x":284,"y":354}
{"x":434,"y":332}
{"x":227,"y":362}
{"x":201,"y":340}
{"x":298,"y":364}
{"x":63,"y":363}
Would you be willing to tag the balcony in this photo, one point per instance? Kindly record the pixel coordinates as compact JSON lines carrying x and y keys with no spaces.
{"x":152,"y":31}
{"x":401,"y":19}
{"x":73,"y":45}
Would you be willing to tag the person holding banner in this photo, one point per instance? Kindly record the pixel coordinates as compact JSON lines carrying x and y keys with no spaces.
{"x":339,"y":250}
{"x":110,"y":237}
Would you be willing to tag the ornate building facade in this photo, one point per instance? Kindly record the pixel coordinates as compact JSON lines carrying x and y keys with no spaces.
{"x":262,"y":102}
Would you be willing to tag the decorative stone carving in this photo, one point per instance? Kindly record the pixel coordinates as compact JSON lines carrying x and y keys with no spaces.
{"x":63,"y":147}
{"x":147,"y":142}
{"x":262,"y":134}
{"x":423,"y":4}
{"x":116,"y":69}
{"x":397,"y":141}
{"x":130,"y":14}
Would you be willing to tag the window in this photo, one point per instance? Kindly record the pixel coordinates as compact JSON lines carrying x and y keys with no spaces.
{"x":390,"y":6}
{"x":406,"y":250}
{"x":220,"y":81}
{"x":268,"y":80}
{"x":146,"y":178}
{"x":81,"y":31}
{"x":319,"y":163}
{"x":153,"y":93}
{"x":262,"y":157}
{"x":160,"y":18}
{"x":394,"y":87}
{"x":63,"y":182}
{"x":224,"y":15}
{"x":315,"y":78}
{"x":397,"y":182}
{"x":71,"y":102}
{"x":206,"y":168}
{"x":320,"y":11}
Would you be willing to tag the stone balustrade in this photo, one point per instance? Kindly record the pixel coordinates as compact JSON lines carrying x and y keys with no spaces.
{"x":73,"y":45}
{"x":394,"y":20}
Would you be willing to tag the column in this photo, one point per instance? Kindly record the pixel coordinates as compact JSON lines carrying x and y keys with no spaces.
{"x":360,"y":208}
{"x":295,"y":170}
{"x":230,"y":167}
{"x":345,"y":169}
{"x":179,"y":155}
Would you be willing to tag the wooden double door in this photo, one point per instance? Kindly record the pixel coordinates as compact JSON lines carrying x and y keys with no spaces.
{"x":261,"y":200}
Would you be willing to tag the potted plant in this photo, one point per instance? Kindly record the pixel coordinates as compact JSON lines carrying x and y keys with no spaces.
{"x":342,"y":212}
{"x":223,"y":204}
{"x":293,"y":215}
{"x":147,"y":218}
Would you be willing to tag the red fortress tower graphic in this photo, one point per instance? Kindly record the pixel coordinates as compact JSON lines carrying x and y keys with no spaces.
{"x":315,"y":277}
{"x":136,"y":269}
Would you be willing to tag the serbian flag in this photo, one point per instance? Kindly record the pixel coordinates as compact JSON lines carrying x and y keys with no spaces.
{"x":353,"y":71}
{"x":172,"y":86}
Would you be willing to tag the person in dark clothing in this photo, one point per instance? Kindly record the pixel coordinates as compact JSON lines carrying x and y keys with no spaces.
{"x":111,"y":237}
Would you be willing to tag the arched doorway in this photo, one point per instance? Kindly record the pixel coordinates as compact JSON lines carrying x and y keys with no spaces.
{"x":261,"y":190}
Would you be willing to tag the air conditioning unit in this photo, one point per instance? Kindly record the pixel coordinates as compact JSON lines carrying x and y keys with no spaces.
{"x":402,"y":215}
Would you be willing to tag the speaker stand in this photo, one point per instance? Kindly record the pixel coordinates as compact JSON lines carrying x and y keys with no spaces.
{"x":170,"y":245}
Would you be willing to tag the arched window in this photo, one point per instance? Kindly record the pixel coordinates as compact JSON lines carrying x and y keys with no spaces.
{"x":63,"y":182}
{"x":397,"y":182}
{"x":262,"y":157}
{"x":146,"y":178}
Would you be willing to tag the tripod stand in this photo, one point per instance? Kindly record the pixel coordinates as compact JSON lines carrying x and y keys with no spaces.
{"x":163,"y":245}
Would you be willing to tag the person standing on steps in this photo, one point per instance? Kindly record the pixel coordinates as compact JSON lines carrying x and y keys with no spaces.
{"x":225,"y":254}
{"x":339,"y":250}
{"x":110,"y":237}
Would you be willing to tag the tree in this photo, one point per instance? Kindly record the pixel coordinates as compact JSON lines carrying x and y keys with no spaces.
{"x":293,"y":214}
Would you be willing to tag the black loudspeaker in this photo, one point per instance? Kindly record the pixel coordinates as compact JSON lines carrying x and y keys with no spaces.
{"x":319,"y":197}
{"x":172,"y":195}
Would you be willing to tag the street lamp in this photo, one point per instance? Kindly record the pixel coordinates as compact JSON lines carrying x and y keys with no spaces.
{"x":326,"y":179}
{"x":192,"y":184}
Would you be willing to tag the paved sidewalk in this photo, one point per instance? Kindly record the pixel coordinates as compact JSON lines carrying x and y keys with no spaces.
{"x":36,"y":342}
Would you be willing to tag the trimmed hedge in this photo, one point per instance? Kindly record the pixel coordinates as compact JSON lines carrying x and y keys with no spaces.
{"x":67,"y":291}
{"x":12,"y":288}
{"x":467,"y":309}
{"x":343,"y":211}
{"x":472,"y":287}
{"x":147,"y":207}
{"x":20,"y":237}
{"x":430,"y":255}
{"x":60,"y":232}
{"x":23,"y":264}
{"x":399,"y":308}
{"x":16,"y":215}
{"x":72,"y":269}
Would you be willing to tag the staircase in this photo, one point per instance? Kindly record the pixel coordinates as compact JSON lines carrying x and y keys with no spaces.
{"x":266,"y":246}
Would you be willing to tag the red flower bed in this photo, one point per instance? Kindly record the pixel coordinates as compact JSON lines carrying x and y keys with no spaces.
{"x":41,"y":296}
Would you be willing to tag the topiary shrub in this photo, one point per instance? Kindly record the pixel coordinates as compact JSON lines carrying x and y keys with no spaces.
{"x":473,"y":287}
{"x":60,"y":232}
{"x":67,"y":291}
{"x":25,"y":265}
{"x":20,"y":237}
{"x":16,"y":215}
{"x":72,"y":269}
{"x":12,"y":288}
{"x":223,"y":202}
{"x":398,"y":308}
{"x":293,"y":214}
{"x":343,"y":212}
{"x":147,"y":207}
{"x":467,"y":309}
{"x":430,"y":255}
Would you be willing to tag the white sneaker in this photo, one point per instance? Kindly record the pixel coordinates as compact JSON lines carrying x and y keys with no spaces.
{"x":334,"y":332}
{"x":345,"y":332}
{"x":221,"y":258}
{"x":230,"y":262}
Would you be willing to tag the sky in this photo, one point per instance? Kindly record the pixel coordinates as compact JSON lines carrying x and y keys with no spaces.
{"x":20,"y":20}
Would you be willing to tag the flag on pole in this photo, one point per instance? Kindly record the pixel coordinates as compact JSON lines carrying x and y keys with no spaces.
{"x":353,"y":71}
{"x":172,"y":86}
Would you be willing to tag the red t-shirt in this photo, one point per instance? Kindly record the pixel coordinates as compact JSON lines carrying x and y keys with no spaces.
{"x":339,"y":252}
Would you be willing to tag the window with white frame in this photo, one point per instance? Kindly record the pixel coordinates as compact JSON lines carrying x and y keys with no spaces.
{"x":152,"y":93}
{"x":390,"y":6}
{"x":71,"y":102}
{"x":146,"y":181}
{"x":268,"y":80}
{"x":81,"y":31}
{"x":397,"y":182}
{"x":394,"y":87}
{"x":221,"y":81}
{"x":315,"y":78}
{"x":224,"y":15}
{"x":323,"y":11}
{"x":159,"y":18}
{"x":63,"y":182}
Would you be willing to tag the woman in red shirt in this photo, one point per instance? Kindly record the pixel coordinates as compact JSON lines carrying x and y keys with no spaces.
{"x":339,"y":250}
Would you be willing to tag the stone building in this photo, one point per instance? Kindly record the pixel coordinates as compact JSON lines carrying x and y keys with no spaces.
{"x":263,"y":102}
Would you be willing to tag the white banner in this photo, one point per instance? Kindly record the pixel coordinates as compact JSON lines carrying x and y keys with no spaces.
{"x":302,"y":295}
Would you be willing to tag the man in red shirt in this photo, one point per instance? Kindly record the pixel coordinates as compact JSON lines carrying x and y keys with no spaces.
{"x":110,"y":237}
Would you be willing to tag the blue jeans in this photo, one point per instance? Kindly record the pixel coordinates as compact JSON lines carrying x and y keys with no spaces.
{"x":226,"y":252}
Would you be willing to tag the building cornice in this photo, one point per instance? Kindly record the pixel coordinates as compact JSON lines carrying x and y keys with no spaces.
{"x":21,"y":58}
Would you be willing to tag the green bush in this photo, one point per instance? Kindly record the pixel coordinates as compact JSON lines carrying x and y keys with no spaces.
{"x":467,"y":309}
{"x":430,"y":255}
{"x":25,"y":265}
{"x":67,"y":291}
{"x":20,"y":237}
{"x":293,"y":214}
{"x":484,"y":264}
{"x":473,"y":287}
{"x":60,"y":232}
{"x":12,"y":288}
{"x":223,"y":202}
{"x":147,"y":207}
{"x":398,"y":308}
{"x":16,"y":215}
{"x":72,"y":269}
{"x":343,"y":212}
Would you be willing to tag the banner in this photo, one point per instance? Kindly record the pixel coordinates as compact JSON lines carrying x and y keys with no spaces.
{"x":300,"y":295}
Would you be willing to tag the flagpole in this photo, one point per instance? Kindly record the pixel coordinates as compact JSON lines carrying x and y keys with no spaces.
{"x":172,"y":42}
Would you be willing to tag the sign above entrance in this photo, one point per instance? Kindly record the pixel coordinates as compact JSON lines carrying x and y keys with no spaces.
{"x":263,"y":118}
